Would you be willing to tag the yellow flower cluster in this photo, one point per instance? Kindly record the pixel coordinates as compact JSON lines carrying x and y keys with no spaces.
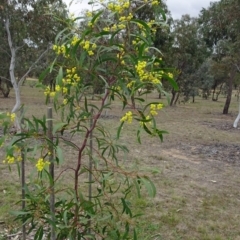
{"x":147,"y":118}
{"x":154,"y":108}
{"x":153,"y":77}
{"x":120,"y":57}
{"x":152,"y":25}
{"x":127,"y":117}
{"x":136,"y":41}
{"x":75,"y":40}
{"x":89,"y":14}
{"x":65,"y":101}
{"x":71,"y":79}
{"x":131,"y":84}
{"x":12,"y":116}
{"x":117,"y":88}
{"x":59,"y":49}
{"x":140,"y":69}
{"x":126,"y":18}
{"x":153,"y":112}
{"x":114,"y":27}
{"x":118,"y":7}
{"x":157,"y":63}
{"x":41,"y":164}
{"x":170,"y":75}
{"x":10,"y":159}
{"x":155,"y":2}
{"x":89,"y":47}
{"x":48,"y":92}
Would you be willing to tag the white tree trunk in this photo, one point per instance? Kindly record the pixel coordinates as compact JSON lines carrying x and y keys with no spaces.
{"x":237,"y":119}
{"x":12,"y":75}
{"x":17,"y":84}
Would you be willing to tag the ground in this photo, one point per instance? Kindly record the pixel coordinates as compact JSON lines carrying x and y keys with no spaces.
{"x":195,"y":169}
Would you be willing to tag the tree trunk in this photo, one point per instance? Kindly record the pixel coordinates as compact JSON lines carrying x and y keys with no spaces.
{"x":4,"y":87}
{"x":17,"y":84}
{"x":173,"y":97}
{"x":213,"y":94}
{"x":178,"y":95}
{"x":159,"y":95}
{"x":217,"y":93}
{"x":238,"y":118}
{"x":229,"y":92}
{"x":133,"y":102}
{"x":12,"y":75}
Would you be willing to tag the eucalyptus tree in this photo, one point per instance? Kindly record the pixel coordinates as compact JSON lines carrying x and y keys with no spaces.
{"x":204,"y":78}
{"x":187,"y":54}
{"x":220,"y":25}
{"x":28,"y":29}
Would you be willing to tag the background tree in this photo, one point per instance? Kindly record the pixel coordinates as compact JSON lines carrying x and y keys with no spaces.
{"x":220,"y":25}
{"x":188,"y":52}
{"x":27,"y":29}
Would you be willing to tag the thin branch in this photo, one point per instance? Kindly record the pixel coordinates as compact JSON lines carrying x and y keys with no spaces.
{"x":17,"y":48}
{"x":7,"y":79}
{"x":32,"y":67}
{"x":5,"y":51}
{"x":237,"y":67}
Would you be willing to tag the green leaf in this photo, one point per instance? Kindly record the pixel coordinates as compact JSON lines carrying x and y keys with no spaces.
{"x":86,"y":104}
{"x":143,"y":23}
{"x":43,"y":74}
{"x":149,"y":186}
{"x":145,"y":40}
{"x":146,"y":129}
{"x":162,"y":13}
{"x":19,"y":213}
{"x":57,"y":127}
{"x":138,"y":136}
{"x":140,"y":99}
{"x":113,"y":36}
{"x":71,"y":144}
{"x":126,"y":208}
{"x":134,"y":234}
{"x":65,"y":218}
{"x":52,"y":65}
{"x":157,"y":50}
{"x":39,"y":234}
{"x":59,"y":154}
{"x":136,"y":183}
{"x":59,"y":35}
{"x":96,"y":16}
{"x":82,"y":58}
{"x":119,"y":130}
{"x":172,"y":82}
{"x":59,"y":77}
{"x":160,"y":134}
{"x":2,"y":140}
{"x":41,"y":122}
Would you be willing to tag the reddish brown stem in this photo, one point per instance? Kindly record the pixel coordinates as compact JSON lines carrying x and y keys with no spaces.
{"x":84,"y":144}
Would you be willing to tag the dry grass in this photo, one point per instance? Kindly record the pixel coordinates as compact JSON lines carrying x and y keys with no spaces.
{"x":195,"y":169}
